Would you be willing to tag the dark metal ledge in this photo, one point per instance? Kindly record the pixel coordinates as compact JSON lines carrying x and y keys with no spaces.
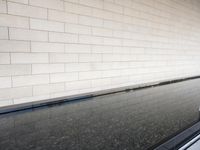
{"x":80,"y":97}
{"x":181,"y":139}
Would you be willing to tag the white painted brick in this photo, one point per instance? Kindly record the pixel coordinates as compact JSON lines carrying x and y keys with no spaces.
{"x":101,"y":82}
{"x":111,"y":73}
{"x":30,"y":80}
{"x":92,"y":3}
{"x":3,"y":33}
{"x":30,"y":99}
{"x":13,"y":21}
{"x":101,"y":66}
{"x":19,"y":1}
{"x":77,"y":67}
{"x":70,"y":7}
{"x":85,"y":39}
{"x":90,"y":57}
{"x":78,"y":9}
{"x":78,"y":29}
{"x":90,"y":75}
{"x":54,"y":4}
{"x":48,"y":88}
{"x":72,"y":1}
{"x":77,"y":48}
{"x":3,"y":7}
{"x":29,"y":58}
{"x":6,"y":102}
{"x":5,"y":82}
{"x":14,"y":46}
{"x":20,"y":92}
{"x":4,"y":58}
{"x":28,"y":35}
{"x":83,"y":10}
{"x":66,"y":93}
{"x":111,"y":57}
{"x":11,"y":70}
{"x":47,"y":68}
{"x":63,"y":58}
{"x":102,"y":49}
{"x":63,"y":77}
{"x":112,"y":41}
{"x":63,"y":37}
{"x":113,"y":7}
{"x":90,"y":21}
{"x":102,"y":32}
{"x":26,"y":10}
{"x":62,"y":16}
{"x":91,"y":45}
{"x":77,"y":85}
{"x":39,"y":24}
{"x":47,"y":47}
{"x":102,"y":14}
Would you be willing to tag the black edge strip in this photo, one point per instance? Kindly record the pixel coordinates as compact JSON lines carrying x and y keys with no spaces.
{"x":192,"y":143}
{"x":178,"y":139}
{"x":49,"y":102}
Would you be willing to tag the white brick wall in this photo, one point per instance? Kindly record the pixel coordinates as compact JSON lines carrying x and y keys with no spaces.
{"x":52,"y":48}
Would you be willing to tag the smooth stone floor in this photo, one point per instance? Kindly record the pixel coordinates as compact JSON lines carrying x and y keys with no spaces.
{"x":124,"y":121}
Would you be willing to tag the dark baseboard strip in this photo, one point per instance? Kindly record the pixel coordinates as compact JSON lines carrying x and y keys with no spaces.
{"x":180,"y":139}
{"x":81,"y":97}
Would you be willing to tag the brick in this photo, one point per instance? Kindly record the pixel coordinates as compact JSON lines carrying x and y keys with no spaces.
{"x":63,"y":77}
{"x":63,"y":58}
{"x":26,"y":10}
{"x":85,"y":39}
{"x":20,"y":1}
{"x":48,"y":88}
{"x":20,"y":92}
{"x":113,"y":7}
{"x":29,"y":58}
{"x":30,"y":99}
{"x":30,"y":80}
{"x":101,"y":82}
{"x":13,"y":70}
{"x":14,"y":21}
{"x":3,"y":7}
{"x":14,"y":46}
{"x":78,"y":29}
{"x":78,"y":9}
{"x":102,"y":32}
{"x":92,"y":3}
{"x":102,"y":49}
{"x":39,"y":24}
{"x":90,"y":75}
{"x":90,"y":58}
{"x":77,"y":48}
{"x":47,"y":47}
{"x":3,"y":33}
{"x":53,"y":4}
{"x":5,"y":102}
{"x":77,"y":67}
{"x":90,"y":21}
{"x":91,"y":45}
{"x":77,"y":85}
{"x":28,"y":35}
{"x":62,"y":16}
{"x":47,"y":68}
{"x":4,"y":58}
{"x":5,"y":82}
{"x":63,"y":37}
